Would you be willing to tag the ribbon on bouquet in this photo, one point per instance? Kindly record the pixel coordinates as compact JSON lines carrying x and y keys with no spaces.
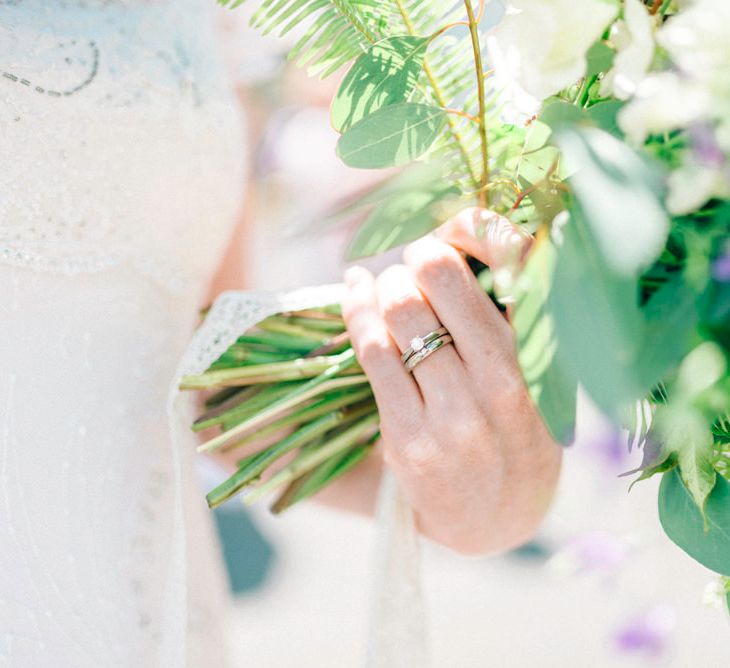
{"x":397,"y":632}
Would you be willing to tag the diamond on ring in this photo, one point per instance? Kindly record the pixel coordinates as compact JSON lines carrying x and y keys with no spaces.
{"x":417,"y":344}
{"x":420,"y":344}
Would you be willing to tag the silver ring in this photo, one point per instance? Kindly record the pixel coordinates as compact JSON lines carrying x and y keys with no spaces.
{"x":429,"y":349}
{"x":420,"y":342}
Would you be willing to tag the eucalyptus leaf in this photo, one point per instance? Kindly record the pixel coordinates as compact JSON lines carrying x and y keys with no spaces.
{"x":403,"y":217}
{"x":705,"y":539}
{"x":683,"y":431}
{"x":393,"y":135}
{"x":597,"y":318}
{"x":385,"y":74}
{"x":600,"y":58}
{"x":671,"y":321}
{"x":535,"y":166}
{"x":559,"y":114}
{"x":552,"y":384}
{"x":620,"y":196}
{"x":604,"y":116}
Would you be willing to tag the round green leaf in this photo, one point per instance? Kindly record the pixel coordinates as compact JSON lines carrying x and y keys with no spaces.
{"x":391,"y":136}
{"x":599,"y":58}
{"x":560,"y":113}
{"x":403,"y":217}
{"x":385,"y":74}
{"x":706,"y":540}
{"x":550,"y":380}
{"x":604,"y":115}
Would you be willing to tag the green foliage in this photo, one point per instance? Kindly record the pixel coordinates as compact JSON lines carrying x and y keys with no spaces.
{"x":392,"y":136}
{"x":334,"y":32}
{"x":599,"y":59}
{"x":387,"y":73}
{"x":404,"y":216}
{"x":597,"y":319}
{"x":686,"y":435}
{"x":595,"y":296}
{"x":620,"y":196}
{"x":616,"y":295}
{"x":550,"y":379}
{"x":705,"y":539}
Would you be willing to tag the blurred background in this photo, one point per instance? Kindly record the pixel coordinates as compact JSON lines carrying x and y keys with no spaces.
{"x":602,"y":586}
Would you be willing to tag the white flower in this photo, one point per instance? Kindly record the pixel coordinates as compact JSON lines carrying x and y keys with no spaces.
{"x":693,"y":185}
{"x":541,"y":45}
{"x":633,"y":37}
{"x":697,"y":41}
{"x":714,"y":594}
{"x":663,"y":102}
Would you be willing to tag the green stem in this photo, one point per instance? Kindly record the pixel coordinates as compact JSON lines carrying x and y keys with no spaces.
{"x":586,"y":90}
{"x":257,"y":464}
{"x":479,"y":69}
{"x":438,"y":94}
{"x":263,"y":373}
{"x":243,"y":406}
{"x":306,"y":461}
{"x":281,"y":326}
{"x":325,"y":382}
{"x":305,"y":414}
{"x":326,"y":473}
{"x":276,"y":340}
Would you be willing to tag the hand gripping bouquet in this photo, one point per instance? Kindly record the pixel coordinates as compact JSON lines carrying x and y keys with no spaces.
{"x":600,"y":127}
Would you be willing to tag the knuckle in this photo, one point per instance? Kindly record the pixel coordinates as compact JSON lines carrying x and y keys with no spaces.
{"x":402,"y":309}
{"x":437,"y":269}
{"x":419,"y":457}
{"x":467,"y":429}
{"x":352,"y":306}
{"x":372,"y":351}
{"x":512,"y":397}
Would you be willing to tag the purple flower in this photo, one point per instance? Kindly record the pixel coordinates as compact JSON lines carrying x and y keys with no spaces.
{"x":721,"y":268}
{"x":648,"y":633}
{"x":611,"y":448}
{"x":705,"y":147}
{"x":594,"y":552}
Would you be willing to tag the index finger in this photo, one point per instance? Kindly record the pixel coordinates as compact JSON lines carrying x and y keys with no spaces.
{"x":487,"y":236}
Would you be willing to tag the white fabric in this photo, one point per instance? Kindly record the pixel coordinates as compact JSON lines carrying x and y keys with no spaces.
{"x":121,"y":176}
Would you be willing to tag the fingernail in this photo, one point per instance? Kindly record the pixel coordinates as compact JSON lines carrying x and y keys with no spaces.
{"x":486,"y":219}
{"x":354,"y":275}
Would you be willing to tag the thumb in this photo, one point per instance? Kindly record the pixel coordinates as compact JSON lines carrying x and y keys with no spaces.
{"x":487,"y":236}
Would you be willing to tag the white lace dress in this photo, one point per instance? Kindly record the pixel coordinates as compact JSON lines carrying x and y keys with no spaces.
{"x":121,"y":174}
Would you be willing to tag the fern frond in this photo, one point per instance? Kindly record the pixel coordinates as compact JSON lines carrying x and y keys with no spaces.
{"x":334,"y":31}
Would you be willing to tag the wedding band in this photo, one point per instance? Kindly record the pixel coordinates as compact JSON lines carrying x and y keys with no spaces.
{"x":418,"y":343}
{"x":429,"y":349}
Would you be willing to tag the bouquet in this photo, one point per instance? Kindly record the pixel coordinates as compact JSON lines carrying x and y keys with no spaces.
{"x":601,"y":127}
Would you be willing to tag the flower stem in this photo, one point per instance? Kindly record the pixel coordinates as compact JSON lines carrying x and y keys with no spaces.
{"x":438,"y":94}
{"x":324,"y":474}
{"x":305,"y":414}
{"x":325,"y":382}
{"x":484,"y":142}
{"x":306,"y":461}
{"x":262,"y":373}
{"x":256,"y":465}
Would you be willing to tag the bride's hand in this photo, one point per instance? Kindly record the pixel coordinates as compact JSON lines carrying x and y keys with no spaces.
{"x":461,"y":433}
